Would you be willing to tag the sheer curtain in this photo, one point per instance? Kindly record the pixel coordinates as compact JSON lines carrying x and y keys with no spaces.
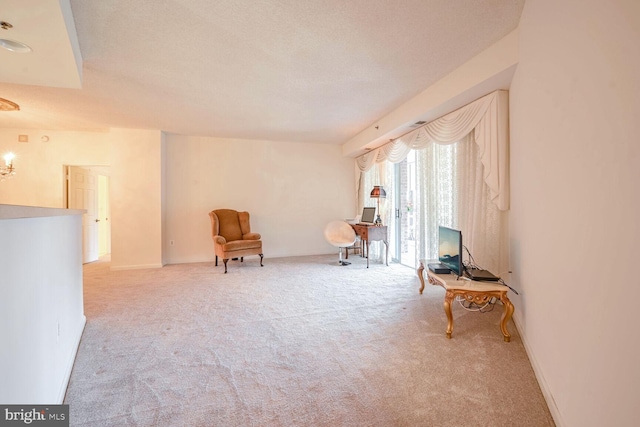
{"x":378,"y":174}
{"x":451,"y":191}
{"x":437,"y":198}
{"x":455,"y":194}
{"x":463,"y":179}
{"x":367,"y":181}
{"x":484,"y":226}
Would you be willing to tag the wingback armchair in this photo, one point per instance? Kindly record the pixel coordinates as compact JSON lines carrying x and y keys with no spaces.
{"x":232,"y":236}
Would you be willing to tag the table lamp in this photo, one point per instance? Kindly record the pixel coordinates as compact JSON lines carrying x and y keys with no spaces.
{"x":378,"y":193}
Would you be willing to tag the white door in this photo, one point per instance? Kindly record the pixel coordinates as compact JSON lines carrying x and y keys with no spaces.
{"x":83,"y":194}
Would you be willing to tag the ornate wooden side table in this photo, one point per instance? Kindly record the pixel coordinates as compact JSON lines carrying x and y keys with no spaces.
{"x":472,"y":291}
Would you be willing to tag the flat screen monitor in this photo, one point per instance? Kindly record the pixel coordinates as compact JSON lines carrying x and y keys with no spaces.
{"x":450,"y":249}
{"x":368,"y":215}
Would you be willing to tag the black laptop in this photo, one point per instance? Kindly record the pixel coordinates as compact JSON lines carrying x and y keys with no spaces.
{"x":481,"y":275}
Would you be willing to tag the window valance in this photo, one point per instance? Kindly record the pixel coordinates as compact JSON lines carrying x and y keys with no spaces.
{"x":487,"y":118}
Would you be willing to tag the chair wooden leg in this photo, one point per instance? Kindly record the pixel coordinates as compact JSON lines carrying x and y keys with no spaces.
{"x":261,"y":261}
{"x":216,"y":260}
{"x":225,"y":265}
{"x":241,"y":259}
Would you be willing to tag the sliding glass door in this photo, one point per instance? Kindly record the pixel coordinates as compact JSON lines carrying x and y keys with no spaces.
{"x":424,"y":196}
{"x":404,"y":218}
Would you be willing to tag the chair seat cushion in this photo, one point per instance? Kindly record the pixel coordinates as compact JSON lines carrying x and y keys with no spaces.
{"x":239,"y":245}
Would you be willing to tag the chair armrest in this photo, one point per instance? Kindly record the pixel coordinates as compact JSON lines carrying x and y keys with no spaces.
{"x":251,"y":236}
{"x":219,"y":239}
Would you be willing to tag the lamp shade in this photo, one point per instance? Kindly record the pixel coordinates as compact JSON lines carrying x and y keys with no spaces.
{"x":378,"y":192}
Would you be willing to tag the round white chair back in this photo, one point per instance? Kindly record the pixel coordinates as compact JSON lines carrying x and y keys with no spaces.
{"x":341,"y":235}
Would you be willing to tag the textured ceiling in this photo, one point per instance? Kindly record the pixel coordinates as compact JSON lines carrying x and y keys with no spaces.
{"x":287,"y":70}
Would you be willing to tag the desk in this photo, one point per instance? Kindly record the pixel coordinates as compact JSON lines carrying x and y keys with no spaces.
{"x":472,"y":291}
{"x":369,"y":233}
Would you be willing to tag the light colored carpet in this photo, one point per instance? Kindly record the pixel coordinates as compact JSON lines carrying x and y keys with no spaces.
{"x":298,"y":342}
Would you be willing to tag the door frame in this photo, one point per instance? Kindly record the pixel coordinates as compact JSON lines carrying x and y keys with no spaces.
{"x":404,"y":186}
{"x":100,"y":171}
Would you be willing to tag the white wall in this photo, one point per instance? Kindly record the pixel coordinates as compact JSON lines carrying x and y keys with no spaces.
{"x":39,"y":179}
{"x":136,"y":198}
{"x":135,"y":186}
{"x":575,"y":123}
{"x":291,"y":190}
{"x":41,"y":305}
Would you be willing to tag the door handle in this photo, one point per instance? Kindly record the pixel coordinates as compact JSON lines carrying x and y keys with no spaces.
{"x":397,"y":212}
{"x":97,"y":220}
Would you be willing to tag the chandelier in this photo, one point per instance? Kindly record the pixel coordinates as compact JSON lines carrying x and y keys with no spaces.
{"x":7,"y":171}
{"x":6,"y":105}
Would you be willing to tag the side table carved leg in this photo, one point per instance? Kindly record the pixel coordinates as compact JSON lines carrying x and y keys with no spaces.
{"x":448,"y":298}
{"x":506,"y":316}
{"x":420,"y":276}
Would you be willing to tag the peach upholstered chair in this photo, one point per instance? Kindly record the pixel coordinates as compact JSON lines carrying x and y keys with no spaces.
{"x":232,"y":236}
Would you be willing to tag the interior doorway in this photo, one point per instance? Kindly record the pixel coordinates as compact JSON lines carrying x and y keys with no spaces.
{"x":87,"y":187}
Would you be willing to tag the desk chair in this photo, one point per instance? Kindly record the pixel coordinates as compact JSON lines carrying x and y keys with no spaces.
{"x":341,"y":235}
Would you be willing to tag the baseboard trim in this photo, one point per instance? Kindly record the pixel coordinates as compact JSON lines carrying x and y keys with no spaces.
{"x":546,"y":392}
{"x":71,"y":361}
{"x":135,"y":267}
